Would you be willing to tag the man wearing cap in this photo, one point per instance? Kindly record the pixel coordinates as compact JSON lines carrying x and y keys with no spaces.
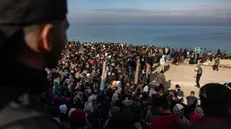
{"x":32,"y":35}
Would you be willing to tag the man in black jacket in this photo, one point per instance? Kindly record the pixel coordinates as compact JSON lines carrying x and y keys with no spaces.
{"x":199,"y":72}
{"x":32,"y":35}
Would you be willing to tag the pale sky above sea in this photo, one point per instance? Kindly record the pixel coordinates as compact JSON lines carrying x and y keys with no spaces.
{"x":150,"y":11}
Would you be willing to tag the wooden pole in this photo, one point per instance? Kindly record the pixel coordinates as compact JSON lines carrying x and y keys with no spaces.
{"x":103,"y":77}
{"x":104,"y":71}
{"x":137,"y":69}
{"x":148,"y":69}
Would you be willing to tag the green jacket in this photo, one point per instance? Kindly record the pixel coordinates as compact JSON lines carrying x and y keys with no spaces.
{"x":216,"y":62}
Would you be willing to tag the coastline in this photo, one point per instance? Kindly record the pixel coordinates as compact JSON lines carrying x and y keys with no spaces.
{"x":189,"y":36}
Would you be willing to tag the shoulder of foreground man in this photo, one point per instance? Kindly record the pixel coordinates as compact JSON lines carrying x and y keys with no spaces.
{"x":206,"y":126}
{"x":33,"y":120}
{"x":18,"y":115}
{"x":33,"y":123}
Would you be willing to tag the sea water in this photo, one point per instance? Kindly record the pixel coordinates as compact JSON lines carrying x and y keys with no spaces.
{"x":174,"y":36}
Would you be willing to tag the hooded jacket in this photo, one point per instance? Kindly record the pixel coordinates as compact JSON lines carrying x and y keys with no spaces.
{"x":21,"y":103}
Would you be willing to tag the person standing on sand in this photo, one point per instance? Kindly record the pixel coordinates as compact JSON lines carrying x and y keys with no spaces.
{"x":162,"y":63}
{"x":216,"y":63}
{"x":199,"y":72}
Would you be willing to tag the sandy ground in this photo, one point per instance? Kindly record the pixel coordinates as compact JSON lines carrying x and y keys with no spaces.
{"x":226,"y":63}
{"x":184,"y":76}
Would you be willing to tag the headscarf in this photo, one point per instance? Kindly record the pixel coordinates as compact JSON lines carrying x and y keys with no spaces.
{"x":199,"y":111}
{"x":70,"y":111}
{"x":63,"y":108}
{"x":178,"y":109}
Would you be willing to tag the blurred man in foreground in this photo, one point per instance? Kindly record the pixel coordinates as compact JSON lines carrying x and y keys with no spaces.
{"x":32,"y":35}
{"x":216,"y":104}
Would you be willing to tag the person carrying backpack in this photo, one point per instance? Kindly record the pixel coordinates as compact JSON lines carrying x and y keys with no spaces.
{"x":131,"y":112}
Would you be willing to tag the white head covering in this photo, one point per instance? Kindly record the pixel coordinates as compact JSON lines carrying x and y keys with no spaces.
{"x":70,"y":111}
{"x":88,"y":107}
{"x":146,"y":88}
{"x":63,"y":108}
{"x":178,"y":109}
{"x":92,"y":98}
{"x":118,"y":83}
{"x":88,"y":75}
{"x":199,"y":110}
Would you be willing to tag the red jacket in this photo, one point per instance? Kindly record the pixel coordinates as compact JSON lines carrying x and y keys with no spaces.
{"x":165,"y":121}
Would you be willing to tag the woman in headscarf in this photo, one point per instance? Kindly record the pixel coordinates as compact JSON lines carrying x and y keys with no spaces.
{"x":162,"y":63}
{"x":197,"y":115}
{"x":179,"y":110}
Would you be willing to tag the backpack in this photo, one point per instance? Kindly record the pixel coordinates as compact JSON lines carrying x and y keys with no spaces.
{"x":131,"y":111}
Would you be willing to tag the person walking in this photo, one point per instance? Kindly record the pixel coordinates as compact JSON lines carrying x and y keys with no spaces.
{"x":32,"y":36}
{"x":199,"y":72}
{"x":162,"y":63}
{"x":216,"y":64}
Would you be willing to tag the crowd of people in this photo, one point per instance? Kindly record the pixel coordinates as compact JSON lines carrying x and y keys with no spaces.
{"x":94,"y":85}
{"x":113,"y":86}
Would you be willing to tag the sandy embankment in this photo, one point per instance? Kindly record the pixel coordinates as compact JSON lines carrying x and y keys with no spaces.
{"x":184,"y":76}
{"x":223,"y":63}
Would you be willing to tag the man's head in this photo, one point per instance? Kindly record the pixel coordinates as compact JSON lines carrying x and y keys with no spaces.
{"x":177,"y":87}
{"x":34,"y":31}
{"x":161,"y":71}
{"x":192,"y":93}
{"x":160,"y":90}
{"x":46,"y":41}
{"x":163,"y":104}
{"x":215,"y":100}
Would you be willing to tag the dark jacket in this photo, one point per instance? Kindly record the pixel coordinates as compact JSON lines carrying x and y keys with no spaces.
{"x":199,"y":72}
{"x":209,"y":123}
{"x":20,"y":98}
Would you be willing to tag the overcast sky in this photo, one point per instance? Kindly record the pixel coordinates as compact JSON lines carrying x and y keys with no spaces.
{"x":150,"y":11}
